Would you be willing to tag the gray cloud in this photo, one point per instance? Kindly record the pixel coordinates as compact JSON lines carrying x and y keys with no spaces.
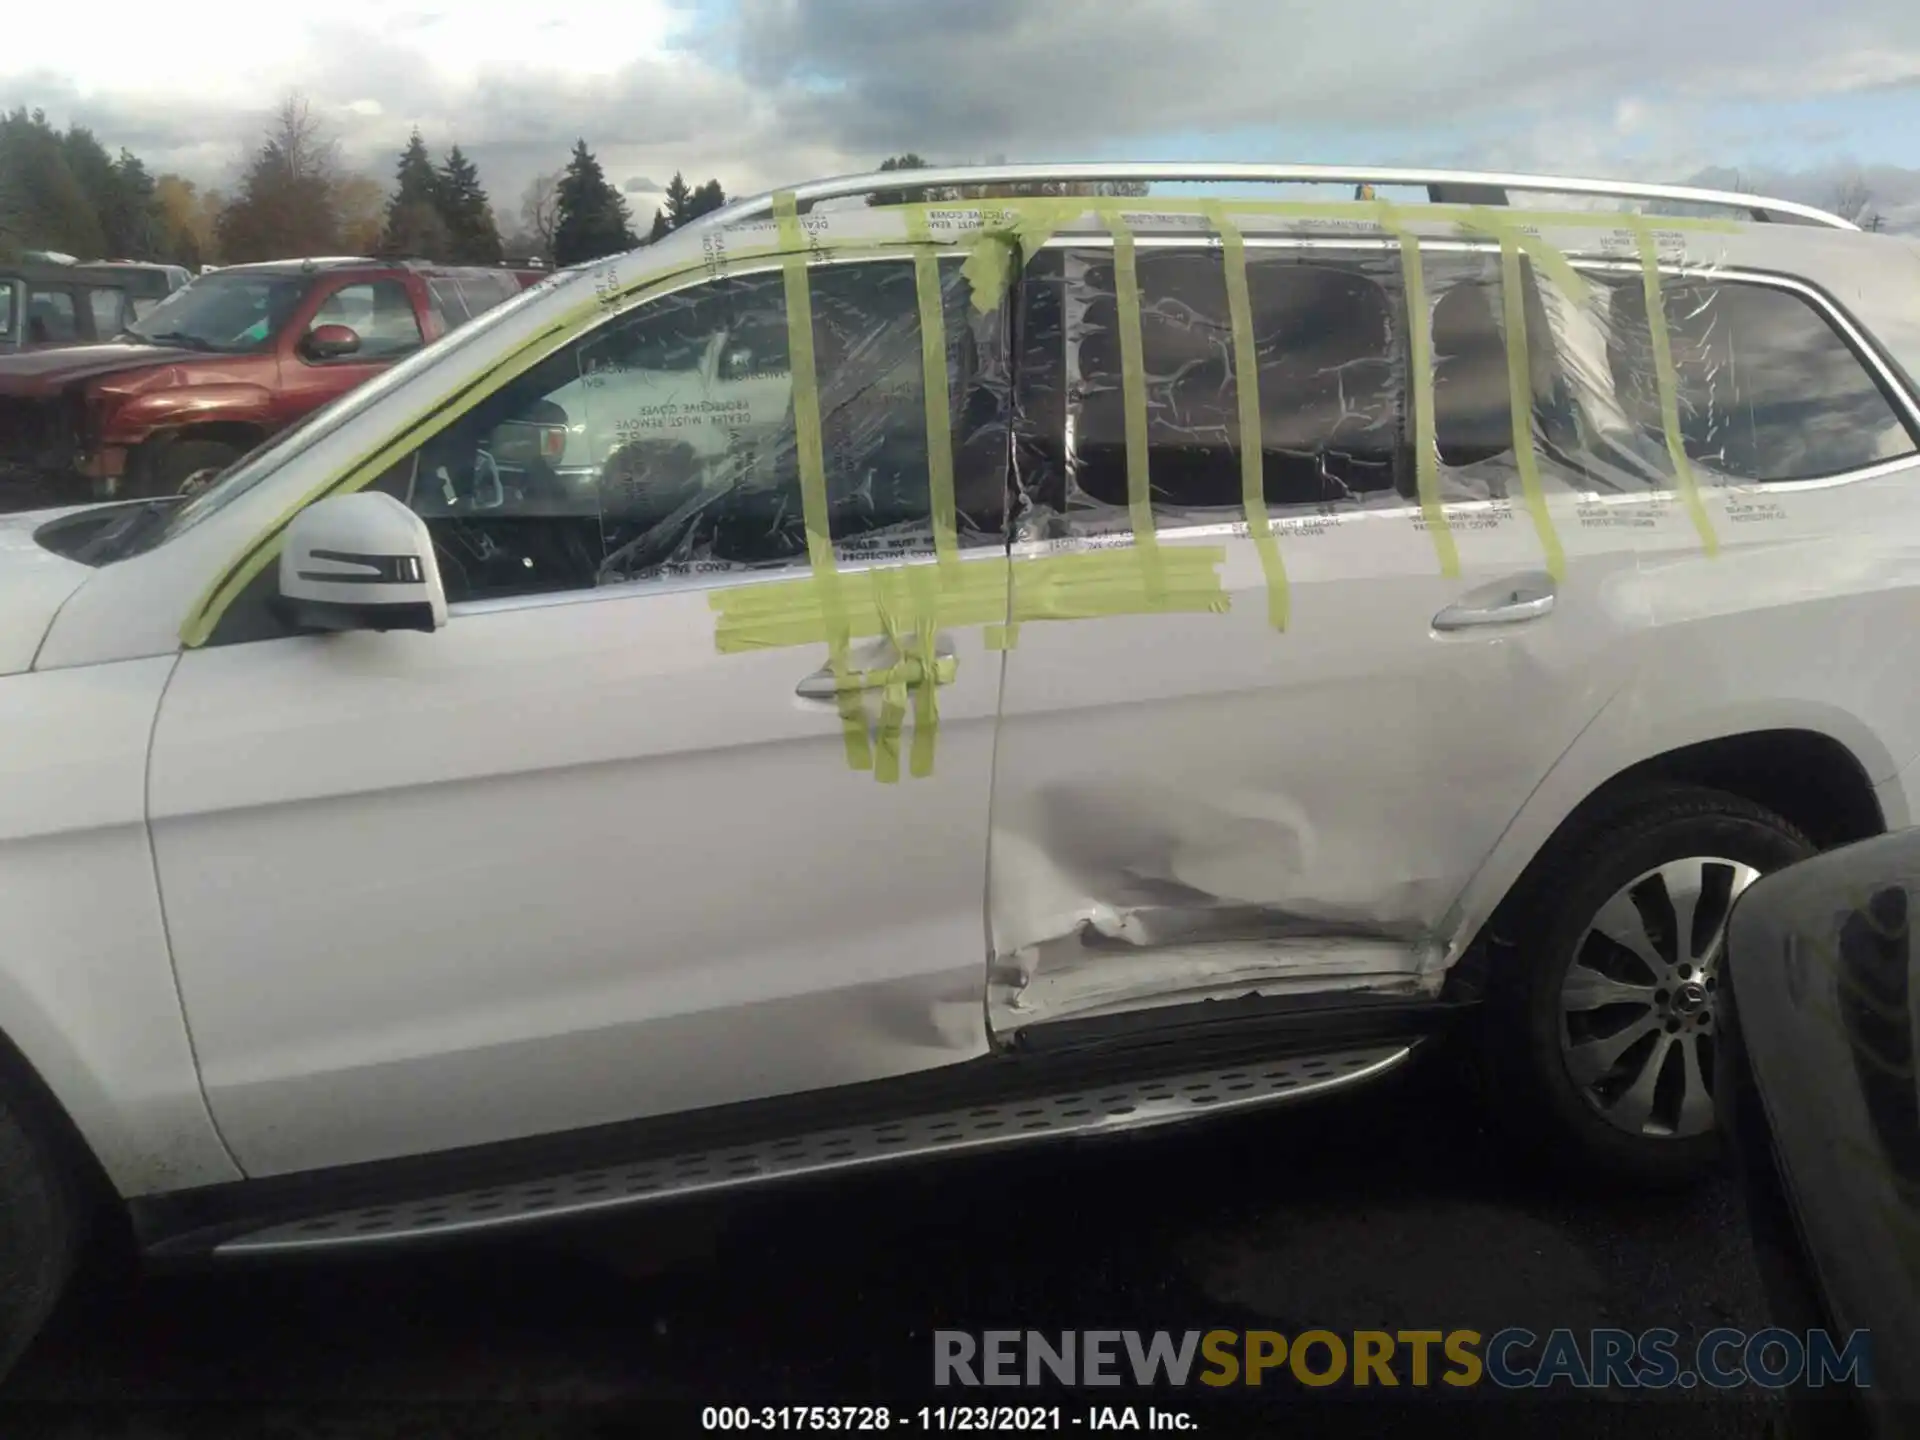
{"x":783,"y":89}
{"x":1006,"y":74}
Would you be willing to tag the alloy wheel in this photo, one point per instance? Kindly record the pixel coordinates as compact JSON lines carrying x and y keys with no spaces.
{"x":1639,"y":1005}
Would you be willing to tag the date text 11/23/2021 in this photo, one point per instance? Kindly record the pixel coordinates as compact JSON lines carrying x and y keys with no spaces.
{"x":977,"y":1419}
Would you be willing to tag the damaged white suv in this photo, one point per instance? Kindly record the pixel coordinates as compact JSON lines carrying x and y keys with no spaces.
{"x":862,"y":681}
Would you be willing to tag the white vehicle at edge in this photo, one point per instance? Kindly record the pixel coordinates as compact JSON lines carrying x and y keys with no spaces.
{"x":404,"y":837}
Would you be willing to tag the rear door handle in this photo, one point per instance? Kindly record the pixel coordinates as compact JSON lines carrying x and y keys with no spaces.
{"x":874,"y":671}
{"x":1511,"y":602}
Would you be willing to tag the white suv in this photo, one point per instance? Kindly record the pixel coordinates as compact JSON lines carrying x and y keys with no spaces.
{"x":1123,"y":661}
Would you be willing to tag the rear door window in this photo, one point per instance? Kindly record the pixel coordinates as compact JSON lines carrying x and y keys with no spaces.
{"x":1769,"y":389}
{"x":1330,"y":347}
{"x":51,"y":317}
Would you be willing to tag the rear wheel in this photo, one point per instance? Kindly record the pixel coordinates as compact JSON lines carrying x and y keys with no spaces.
{"x":1602,"y":1026}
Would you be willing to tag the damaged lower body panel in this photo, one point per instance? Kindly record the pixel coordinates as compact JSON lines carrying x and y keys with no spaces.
{"x":1094,"y":922}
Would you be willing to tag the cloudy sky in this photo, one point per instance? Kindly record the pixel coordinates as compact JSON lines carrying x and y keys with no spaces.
{"x":760,"y":92}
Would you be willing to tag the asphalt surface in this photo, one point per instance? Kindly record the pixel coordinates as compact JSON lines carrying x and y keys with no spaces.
{"x":1391,"y":1210}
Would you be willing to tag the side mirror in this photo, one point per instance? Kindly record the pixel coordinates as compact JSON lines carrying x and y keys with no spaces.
{"x":360,"y":562}
{"x":330,"y":342}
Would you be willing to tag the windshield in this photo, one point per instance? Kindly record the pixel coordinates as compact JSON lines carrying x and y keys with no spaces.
{"x":230,"y":314}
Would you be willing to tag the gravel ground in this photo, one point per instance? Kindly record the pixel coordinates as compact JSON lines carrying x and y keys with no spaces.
{"x":1390,"y":1210}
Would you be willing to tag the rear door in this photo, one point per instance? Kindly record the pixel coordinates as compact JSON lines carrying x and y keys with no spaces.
{"x":1273,"y":765}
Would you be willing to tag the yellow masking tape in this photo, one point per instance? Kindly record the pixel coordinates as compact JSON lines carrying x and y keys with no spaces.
{"x":1668,"y":380}
{"x":993,"y":228}
{"x":1520,"y":399}
{"x":1080,"y":585}
{"x":1133,"y":394}
{"x":813,"y":472}
{"x":934,"y":670}
{"x":1426,"y":444}
{"x":1246,"y":379}
{"x":933,"y":373}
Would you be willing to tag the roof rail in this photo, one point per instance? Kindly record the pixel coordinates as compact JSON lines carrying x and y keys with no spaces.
{"x":1439,"y":184}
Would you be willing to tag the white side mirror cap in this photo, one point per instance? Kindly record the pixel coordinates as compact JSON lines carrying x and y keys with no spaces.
{"x":360,"y":562}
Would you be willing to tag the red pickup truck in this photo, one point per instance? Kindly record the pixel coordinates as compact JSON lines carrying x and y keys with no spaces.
{"x":218,"y":367}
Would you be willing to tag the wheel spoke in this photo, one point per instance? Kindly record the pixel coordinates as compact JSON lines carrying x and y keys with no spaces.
{"x":1587,"y":989}
{"x":1620,"y":922}
{"x":1635,"y":1106}
{"x":1696,"y":1101}
{"x":1685,"y":882}
{"x":1590,"y":1059}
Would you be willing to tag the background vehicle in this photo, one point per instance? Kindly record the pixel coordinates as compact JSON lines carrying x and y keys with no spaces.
{"x":1822,"y":1100}
{"x":1001,"y":745}
{"x":43,"y":305}
{"x":221,"y":365}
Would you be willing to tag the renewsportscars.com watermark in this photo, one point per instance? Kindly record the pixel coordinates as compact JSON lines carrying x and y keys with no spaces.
{"x":1512,"y":1359}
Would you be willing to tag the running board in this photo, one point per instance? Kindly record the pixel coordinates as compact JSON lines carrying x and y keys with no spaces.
{"x":1090,"y":1110}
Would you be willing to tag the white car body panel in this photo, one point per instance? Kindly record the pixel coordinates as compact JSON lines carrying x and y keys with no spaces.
{"x":86,"y":991}
{"x":1170,"y":781}
{"x":559,"y":864}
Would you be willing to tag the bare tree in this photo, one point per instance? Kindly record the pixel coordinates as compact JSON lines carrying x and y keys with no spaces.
{"x":1851,"y":198}
{"x":540,"y":209}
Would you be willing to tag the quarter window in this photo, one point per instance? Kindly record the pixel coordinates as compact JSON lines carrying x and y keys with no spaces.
{"x":1768,"y":389}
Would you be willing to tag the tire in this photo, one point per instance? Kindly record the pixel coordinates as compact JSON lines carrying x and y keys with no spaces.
{"x":40,"y":1229}
{"x":1586,"y":1042}
{"x":167,"y":470}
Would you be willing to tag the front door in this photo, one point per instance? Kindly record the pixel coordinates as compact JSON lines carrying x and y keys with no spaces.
{"x":1278,"y":776}
{"x":606,"y":846}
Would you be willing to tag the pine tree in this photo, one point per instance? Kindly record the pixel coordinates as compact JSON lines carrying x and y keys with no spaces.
{"x":662,"y":227}
{"x":593,"y":219}
{"x":679,"y":197}
{"x":707,"y":199}
{"x":473,"y":238}
{"x":415,"y":224}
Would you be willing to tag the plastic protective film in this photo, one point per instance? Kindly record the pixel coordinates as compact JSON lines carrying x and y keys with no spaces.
{"x":1340,"y":405}
{"x":666,"y":445}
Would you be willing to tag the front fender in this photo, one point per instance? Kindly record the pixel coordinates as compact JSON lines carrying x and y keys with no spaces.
{"x":87,"y":993}
{"x":141,"y":417}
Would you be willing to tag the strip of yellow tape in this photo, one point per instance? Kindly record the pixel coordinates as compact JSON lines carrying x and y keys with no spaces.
{"x":1246,"y":381}
{"x":1426,"y":442}
{"x":1520,"y":400}
{"x":1668,"y":380}
{"x":811,"y":457}
{"x":1133,"y":392}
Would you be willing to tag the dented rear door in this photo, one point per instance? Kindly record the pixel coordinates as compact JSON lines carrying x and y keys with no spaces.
{"x":1230,"y":764}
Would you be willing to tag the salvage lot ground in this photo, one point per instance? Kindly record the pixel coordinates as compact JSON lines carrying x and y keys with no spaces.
{"x":1390,"y":1210}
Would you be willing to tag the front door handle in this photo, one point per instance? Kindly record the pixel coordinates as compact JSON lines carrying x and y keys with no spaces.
{"x":1511,"y":602}
{"x":878,"y":668}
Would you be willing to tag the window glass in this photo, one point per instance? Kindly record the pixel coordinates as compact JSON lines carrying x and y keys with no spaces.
{"x":50,"y":317}
{"x":1329,"y":345}
{"x":6,"y":308}
{"x":379,"y":312}
{"x":109,"y":312}
{"x":448,"y":299}
{"x":482,"y":292}
{"x":663,"y":444}
{"x":1768,"y":389}
{"x":231,"y":313}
